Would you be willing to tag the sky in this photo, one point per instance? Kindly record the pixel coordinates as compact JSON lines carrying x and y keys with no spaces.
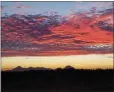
{"x":80,"y":42}
{"x":89,"y":62}
{"x":62,"y":8}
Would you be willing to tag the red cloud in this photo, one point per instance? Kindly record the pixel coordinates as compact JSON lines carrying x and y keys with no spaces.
{"x":77,"y":31}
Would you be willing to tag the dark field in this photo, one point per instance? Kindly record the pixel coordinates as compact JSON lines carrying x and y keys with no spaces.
{"x":59,"y":80}
{"x":52,"y":91}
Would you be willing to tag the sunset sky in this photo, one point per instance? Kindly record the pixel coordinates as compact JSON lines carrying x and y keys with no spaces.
{"x":78,"y":61}
{"x":63,"y":8}
{"x":79,"y":34}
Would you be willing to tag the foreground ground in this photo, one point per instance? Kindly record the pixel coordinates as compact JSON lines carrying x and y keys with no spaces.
{"x":60,"y":80}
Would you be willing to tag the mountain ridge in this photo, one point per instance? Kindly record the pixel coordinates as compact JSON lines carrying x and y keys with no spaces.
{"x":20,"y":68}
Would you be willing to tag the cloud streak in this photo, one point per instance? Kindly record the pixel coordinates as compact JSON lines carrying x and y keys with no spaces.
{"x":76,"y":33}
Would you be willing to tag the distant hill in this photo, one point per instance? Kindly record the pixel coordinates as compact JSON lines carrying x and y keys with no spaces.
{"x":19,"y":68}
{"x":69,"y":67}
